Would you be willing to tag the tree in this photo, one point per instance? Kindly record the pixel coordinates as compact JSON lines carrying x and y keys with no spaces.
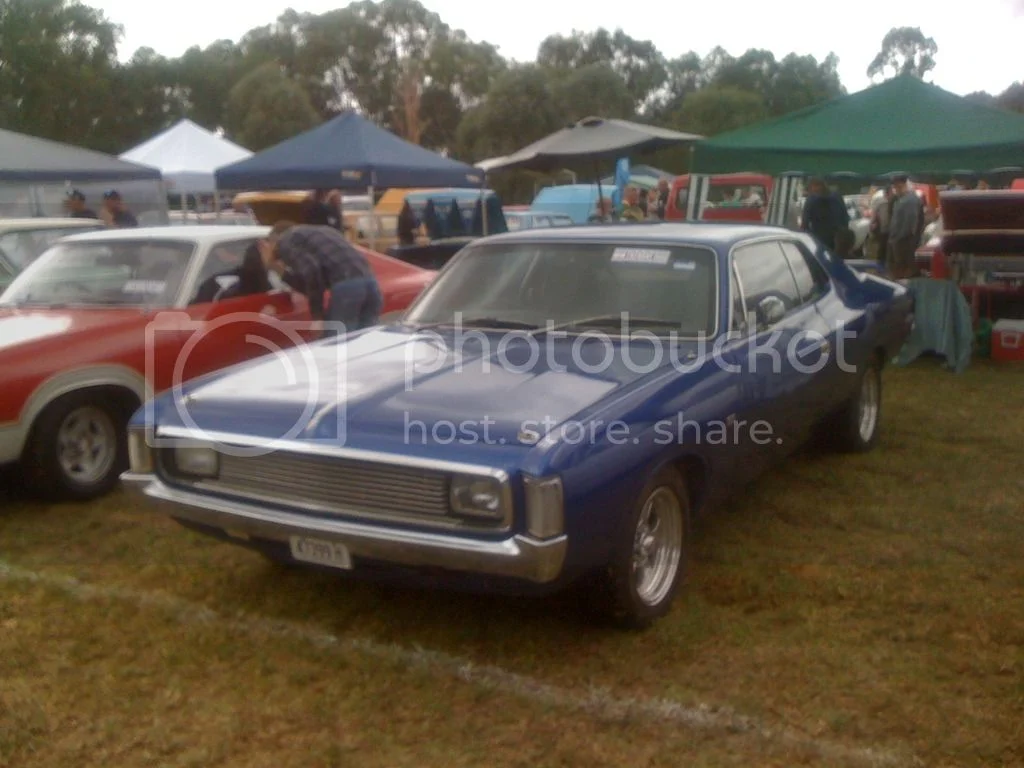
{"x":594,"y":90}
{"x":266,"y":107}
{"x":57,"y":60}
{"x":638,"y":62}
{"x":905,"y":51}
{"x":717,"y":109}
{"x":1012,"y":98}
{"x":519,"y":109}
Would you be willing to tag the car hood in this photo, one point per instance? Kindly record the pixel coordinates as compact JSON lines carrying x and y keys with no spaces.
{"x":389,"y":385}
{"x":25,"y":329}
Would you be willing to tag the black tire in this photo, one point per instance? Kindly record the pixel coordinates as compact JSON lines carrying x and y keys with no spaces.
{"x":853,"y":430}
{"x":616,"y":595}
{"x":41,"y":462}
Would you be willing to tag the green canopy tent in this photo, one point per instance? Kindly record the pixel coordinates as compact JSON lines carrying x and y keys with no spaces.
{"x":903,"y":125}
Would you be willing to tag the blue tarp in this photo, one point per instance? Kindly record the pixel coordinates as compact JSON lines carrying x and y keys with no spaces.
{"x":942,"y":324}
{"x":346,"y":152}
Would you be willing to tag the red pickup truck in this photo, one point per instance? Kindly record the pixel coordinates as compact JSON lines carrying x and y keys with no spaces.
{"x":731,"y":197}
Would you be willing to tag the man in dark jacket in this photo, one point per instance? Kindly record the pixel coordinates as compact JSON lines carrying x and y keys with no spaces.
{"x":318,"y":212}
{"x":315,"y":260}
{"x":824,"y":215}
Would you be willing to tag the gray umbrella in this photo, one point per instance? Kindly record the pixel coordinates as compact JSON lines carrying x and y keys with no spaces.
{"x":594,"y":138}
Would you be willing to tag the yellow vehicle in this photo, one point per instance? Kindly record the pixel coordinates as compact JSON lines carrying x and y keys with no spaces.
{"x":270,"y":207}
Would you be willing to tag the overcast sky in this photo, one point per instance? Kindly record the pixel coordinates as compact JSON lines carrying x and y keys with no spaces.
{"x":979,"y":41}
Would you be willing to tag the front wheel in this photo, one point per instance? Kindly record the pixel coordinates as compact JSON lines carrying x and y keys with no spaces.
{"x":78,"y":448}
{"x":651,"y":556}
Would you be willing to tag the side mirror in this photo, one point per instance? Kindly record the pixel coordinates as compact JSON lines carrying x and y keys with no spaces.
{"x":770,"y":310}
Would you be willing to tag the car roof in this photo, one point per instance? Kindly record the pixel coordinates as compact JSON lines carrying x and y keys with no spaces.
{"x":39,"y":222}
{"x":201,"y":233}
{"x":724,"y":234}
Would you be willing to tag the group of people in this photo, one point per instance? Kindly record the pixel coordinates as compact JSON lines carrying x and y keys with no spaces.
{"x":114,"y":211}
{"x":635,"y":206}
{"x":898,"y":219}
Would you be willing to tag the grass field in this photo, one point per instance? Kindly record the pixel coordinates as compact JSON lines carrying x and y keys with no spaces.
{"x":864,"y":610}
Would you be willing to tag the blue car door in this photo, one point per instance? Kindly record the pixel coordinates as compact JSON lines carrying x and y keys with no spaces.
{"x":785,"y":346}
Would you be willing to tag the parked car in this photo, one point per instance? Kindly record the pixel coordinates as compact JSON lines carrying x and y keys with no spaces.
{"x":500,"y":466}
{"x":78,"y":353}
{"x":517,"y":220}
{"x":22,"y":241}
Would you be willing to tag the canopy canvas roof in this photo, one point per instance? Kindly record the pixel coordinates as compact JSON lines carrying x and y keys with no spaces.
{"x":346,"y":152}
{"x":591,"y":138}
{"x":903,"y":125}
{"x":33,"y":160}
{"x":187,"y":156}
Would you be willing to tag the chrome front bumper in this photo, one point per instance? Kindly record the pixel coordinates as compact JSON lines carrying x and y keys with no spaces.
{"x":517,"y":557}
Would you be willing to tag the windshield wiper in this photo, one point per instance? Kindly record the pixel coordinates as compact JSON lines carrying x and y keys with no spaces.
{"x":613,"y":321}
{"x":500,"y":324}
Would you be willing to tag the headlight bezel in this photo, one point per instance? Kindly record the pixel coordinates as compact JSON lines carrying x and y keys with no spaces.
{"x":544,"y":506}
{"x":497,"y":486}
{"x":141,"y":458}
{"x":185,"y":459}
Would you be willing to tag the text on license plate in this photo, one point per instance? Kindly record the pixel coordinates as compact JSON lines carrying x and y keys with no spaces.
{"x":321,"y":552}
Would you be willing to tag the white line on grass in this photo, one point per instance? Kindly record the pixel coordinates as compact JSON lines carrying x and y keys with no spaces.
{"x":598,"y":702}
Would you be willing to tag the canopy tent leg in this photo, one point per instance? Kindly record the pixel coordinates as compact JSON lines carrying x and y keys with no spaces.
{"x":784,"y":192}
{"x":483,"y":204}
{"x":373,"y":220}
{"x":697,"y":197}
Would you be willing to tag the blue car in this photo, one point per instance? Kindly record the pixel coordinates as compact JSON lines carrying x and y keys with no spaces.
{"x":558,"y":407}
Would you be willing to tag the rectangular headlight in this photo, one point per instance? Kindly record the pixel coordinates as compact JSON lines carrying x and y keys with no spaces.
{"x":545,"y":507}
{"x":478,"y":497}
{"x":196,"y":461}
{"x":140,"y":455}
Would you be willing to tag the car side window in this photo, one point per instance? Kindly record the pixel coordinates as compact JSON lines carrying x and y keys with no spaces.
{"x":223,"y":260}
{"x":765,"y":274}
{"x":811,"y":278}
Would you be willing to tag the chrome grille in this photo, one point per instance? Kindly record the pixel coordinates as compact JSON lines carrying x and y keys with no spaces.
{"x":333,"y":485}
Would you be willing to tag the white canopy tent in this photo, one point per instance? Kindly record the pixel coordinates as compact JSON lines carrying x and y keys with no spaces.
{"x":187,"y":156}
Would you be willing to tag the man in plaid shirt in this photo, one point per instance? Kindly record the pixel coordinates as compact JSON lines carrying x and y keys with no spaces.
{"x":315,"y":260}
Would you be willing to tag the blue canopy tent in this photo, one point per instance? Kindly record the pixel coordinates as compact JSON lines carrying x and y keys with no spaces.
{"x":346,"y":152}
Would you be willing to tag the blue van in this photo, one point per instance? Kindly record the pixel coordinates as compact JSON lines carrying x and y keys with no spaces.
{"x":577,"y":201}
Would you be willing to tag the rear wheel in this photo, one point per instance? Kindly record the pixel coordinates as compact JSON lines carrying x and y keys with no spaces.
{"x":856,"y":427}
{"x":78,"y":448}
{"x":651,"y":555}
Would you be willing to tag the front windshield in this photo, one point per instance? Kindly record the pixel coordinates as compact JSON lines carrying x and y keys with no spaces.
{"x":104,"y":273}
{"x":577,"y":286}
{"x":21,"y":247}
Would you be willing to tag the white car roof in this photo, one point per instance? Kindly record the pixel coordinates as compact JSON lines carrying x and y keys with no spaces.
{"x":16,"y":225}
{"x":200,"y":234}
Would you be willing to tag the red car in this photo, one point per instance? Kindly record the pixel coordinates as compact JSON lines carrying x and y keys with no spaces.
{"x":80,"y":351}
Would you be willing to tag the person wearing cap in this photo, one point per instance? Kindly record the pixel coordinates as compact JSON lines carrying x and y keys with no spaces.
{"x":904,"y":228}
{"x":77,"y":208}
{"x":115,"y":213}
{"x":824,"y":215}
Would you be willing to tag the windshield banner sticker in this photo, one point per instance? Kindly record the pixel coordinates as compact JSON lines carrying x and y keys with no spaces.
{"x":640,"y":256}
{"x":149,"y":287}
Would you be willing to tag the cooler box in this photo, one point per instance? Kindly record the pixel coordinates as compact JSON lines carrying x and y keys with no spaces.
{"x":1008,"y":340}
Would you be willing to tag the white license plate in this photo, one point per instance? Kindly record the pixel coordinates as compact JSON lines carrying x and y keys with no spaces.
{"x":321,"y":552}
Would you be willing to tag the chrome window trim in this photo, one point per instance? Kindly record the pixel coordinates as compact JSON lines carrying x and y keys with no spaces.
{"x":331,"y":451}
{"x":778,"y":239}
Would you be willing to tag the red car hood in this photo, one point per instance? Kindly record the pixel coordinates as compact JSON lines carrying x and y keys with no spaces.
{"x":22,"y":329}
